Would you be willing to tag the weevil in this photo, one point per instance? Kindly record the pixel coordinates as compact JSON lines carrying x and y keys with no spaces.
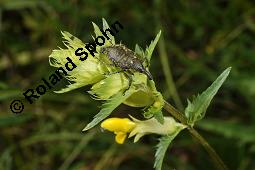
{"x":125,"y":59}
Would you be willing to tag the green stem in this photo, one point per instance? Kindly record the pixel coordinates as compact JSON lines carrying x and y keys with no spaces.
{"x":168,"y":74}
{"x":164,"y":59}
{"x":179,"y":116}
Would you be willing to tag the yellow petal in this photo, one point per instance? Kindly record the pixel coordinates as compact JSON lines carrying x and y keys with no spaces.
{"x":124,"y":125}
{"x":120,"y":137}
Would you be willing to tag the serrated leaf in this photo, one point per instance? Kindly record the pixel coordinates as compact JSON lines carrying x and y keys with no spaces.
{"x":162,"y":146}
{"x":108,"y":107}
{"x":197,"y":108}
{"x":71,"y":40}
{"x":139,"y":51}
{"x":105,"y":26}
{"x":58,"y":56}
{"x":150,"y":49}
{"x":97,"y":30}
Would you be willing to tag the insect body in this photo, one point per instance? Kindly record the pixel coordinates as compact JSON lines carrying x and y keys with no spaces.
{"x":125,"y":59}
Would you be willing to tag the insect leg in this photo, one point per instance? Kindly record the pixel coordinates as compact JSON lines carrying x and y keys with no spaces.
{"x":130,"y":80}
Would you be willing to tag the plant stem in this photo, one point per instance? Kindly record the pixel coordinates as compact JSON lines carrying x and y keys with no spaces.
{"x":164,"y":58}
{"x":168,"y":74}
{"x":180,"y":117}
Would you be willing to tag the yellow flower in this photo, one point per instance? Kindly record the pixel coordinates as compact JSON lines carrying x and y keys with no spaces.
{"x":106,"y":83}
{"x":138,"y":128}
{"x":87,"y":72}
{"x":120,"y":126}
{"x":170,"y":126}
{"x":96,"y":72}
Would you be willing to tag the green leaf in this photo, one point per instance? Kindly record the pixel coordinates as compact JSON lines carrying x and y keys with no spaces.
{"x":197,"y":108}
{"x":106,"y":26}
{"x":71,"y":41}
{"x":162,"y":146}
{"x":140,"y":53}
{"x":108,"y":107}
{"x":97,"y":30}
{"x":139,"y":50}
{"x":146,"y":56}
{"x":150,"y":49}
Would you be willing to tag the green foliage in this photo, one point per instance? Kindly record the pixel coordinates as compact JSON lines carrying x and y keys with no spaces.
{"x":108,"y":107}
{"x":197,"y":108}
{"x":162,"y":147}
{"x":150,"y":49}
{"x":105,"y":26}
{"x":99,"y":33}
{"x":197,"y":48}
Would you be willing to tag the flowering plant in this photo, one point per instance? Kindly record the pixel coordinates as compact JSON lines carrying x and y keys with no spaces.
{"x":111,"y":85}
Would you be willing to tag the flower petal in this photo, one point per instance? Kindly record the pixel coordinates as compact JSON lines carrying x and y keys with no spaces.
{"x":120,"y":137}
{"x":116,"y":125}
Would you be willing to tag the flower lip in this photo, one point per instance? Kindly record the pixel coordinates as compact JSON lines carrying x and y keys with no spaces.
{"x":120,"y":127}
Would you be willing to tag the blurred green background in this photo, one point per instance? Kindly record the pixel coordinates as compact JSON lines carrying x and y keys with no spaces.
{"x":199,"y":40}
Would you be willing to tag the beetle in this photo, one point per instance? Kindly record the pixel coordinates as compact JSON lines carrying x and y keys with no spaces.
{"x":125,"y":59}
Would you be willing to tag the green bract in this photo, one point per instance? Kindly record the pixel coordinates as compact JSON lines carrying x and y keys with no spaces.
{"x":87,"y":72}
{"x":197,"y":108}
{"x":114,"y":89}
{"x":106,"y":86}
